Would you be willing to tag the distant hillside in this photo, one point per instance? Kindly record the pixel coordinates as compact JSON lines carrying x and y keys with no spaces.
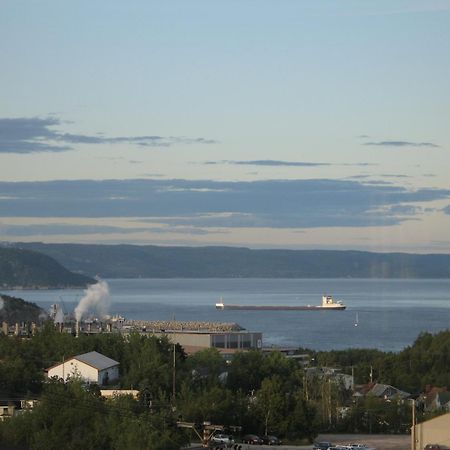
{"x":133,"y":261}
{"x":27,"y":269}
{"x":14,"y":310}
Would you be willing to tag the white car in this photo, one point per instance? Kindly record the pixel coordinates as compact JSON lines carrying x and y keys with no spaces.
{"x":359,"y":447}
{"x":223,"y":439}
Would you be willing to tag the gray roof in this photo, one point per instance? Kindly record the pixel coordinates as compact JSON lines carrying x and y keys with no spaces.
{"x":96,"y":360}
{"x":388,"y":391}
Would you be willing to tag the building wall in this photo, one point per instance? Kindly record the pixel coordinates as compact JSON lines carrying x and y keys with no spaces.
{"x":434,"y":431}
{"x":225,"y":340}
{"x":72,"y":367}
{"x":196,"y":339}
{"x":240,"y":341}
{"x":110,"y":374}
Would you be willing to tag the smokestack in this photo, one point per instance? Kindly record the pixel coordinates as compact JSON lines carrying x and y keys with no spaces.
{"x":77,"y":328}
{"x":16,"y":330}
{"x":89,"y":325}
{"x":5,"y":328}
{"x":109,"y":327}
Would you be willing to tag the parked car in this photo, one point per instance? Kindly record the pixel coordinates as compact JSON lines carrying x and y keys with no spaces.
{"x":322,"y":445}
{"x":339,"y":447}
{"x":252,"y":439}
{"x":432,"y":447}
{"x":359,"y":447}
{"x":271,"y":440}
{"x":223,"y":439}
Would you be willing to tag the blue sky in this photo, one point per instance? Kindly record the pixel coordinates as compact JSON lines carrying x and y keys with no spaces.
{"x":291,"y":124}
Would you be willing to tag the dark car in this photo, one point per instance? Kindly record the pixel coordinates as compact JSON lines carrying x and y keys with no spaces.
{"x":322,"y":445}
{"x":270,"y":440}
{"x":252,"y":439}
{"x":432,"y":447}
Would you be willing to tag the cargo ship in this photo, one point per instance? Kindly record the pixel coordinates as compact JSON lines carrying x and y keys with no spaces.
{"x":328,"y":304}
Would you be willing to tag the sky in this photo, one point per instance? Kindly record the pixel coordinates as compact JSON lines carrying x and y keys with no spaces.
{"x":265,"y":124}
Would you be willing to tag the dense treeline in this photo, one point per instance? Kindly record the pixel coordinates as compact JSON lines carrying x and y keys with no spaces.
{"x":151,"y":261}
{"x":426,"y":362}
{"x":260,"y":393}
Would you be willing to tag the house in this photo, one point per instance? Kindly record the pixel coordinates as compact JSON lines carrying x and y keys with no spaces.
{"x":382,"y":391}
{"x":11,"y":408}
{"x":433,"y":431}
{"x":435,"y":399}
{"x":91,"y":367}
{"x":7,"y":411}
{"x":329,"y":373}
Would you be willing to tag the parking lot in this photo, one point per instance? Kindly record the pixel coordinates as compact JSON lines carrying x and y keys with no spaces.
{"x":378,"y":441}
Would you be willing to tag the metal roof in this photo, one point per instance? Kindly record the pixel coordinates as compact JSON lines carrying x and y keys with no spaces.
{"x":96,"y":360}
{"x":388,"y":391}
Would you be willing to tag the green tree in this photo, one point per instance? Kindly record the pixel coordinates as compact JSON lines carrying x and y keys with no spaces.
{"x":270,"y":405}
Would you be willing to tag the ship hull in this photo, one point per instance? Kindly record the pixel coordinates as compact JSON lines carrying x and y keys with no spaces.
{"x":282,"y":308}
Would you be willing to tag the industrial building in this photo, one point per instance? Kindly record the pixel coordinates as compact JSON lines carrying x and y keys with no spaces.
{"x":224,"y":342}
{"x":227,"y":338}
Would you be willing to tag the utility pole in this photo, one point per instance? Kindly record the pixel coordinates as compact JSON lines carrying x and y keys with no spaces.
{"x":413,"y":428}
{"x":306,"y":386}
{"x":174,"y":376}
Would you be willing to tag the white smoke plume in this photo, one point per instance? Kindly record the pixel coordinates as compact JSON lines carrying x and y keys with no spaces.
{"x":59,"y":316}
{"x":96,"y":298}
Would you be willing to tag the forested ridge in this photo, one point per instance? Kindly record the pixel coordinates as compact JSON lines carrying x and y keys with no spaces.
{"x":30,"y":269}
{"x":151,"y":261}
{"x":13,"y":310}
{"x":259,"y":393}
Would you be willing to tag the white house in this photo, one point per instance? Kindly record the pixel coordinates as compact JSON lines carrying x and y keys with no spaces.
{"x":92,"y":367}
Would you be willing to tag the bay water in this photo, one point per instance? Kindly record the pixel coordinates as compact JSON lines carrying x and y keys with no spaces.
{"x":389,"y":313}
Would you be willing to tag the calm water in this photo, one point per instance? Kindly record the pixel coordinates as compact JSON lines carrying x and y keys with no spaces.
{"x":391,"y":313}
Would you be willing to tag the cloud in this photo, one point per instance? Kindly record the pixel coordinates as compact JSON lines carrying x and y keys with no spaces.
{"x":394,"y":175}
{"x":277,"y":163}
{"x":404,"y":210}
{"x":312,"y":203}
{"x":27,"y":135}
{"x":274,"y":163}
{"x":402,"y":144}
{"x":358,"y":177}
{"x":63,"y":229}
{"x":183,"y":230}
{"x":52,"y":229}
{"x":33,"y":135}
